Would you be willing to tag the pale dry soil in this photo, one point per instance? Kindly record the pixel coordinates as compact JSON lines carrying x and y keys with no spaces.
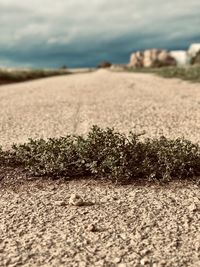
{"x":130,"y":225}
{"x":73,"y":103}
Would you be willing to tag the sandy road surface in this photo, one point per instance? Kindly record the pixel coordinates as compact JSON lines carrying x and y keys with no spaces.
{"x":133,"y":225}
{"x":71,"y":104}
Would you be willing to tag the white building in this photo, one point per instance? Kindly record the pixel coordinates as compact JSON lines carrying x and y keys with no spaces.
{"x":193,"y":50}
{"x":182,"y":57}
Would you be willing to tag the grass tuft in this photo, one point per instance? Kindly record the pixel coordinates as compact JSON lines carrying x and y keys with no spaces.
{"x":105,"y":153}
{"x":191,"y":73}
{"x":13,"y":76}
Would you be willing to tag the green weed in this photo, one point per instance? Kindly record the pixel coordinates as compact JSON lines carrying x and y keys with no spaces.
{"x":106,"y":153}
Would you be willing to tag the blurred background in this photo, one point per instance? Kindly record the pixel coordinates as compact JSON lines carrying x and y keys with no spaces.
{"x":80,"y":33}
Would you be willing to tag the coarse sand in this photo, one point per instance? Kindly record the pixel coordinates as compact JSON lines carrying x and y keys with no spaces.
{"x":123,"y":226}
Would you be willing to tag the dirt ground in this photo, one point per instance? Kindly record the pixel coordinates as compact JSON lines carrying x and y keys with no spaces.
{"x":132,"y":225}
{"x":72,"y":104}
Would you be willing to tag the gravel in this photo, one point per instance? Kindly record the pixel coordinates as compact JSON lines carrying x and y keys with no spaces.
{"x":84,"y":223}
{"x":72,"y":104}
{"x":129,"y":225}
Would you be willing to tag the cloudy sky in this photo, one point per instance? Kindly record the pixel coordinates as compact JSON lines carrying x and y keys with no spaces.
{"x":50,"y":33}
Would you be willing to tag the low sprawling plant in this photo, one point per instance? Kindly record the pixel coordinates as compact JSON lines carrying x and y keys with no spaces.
{"x":190,"y":73}
{"x":13,"y":76}
{"x":54,"y":157}
{"x":105,"y":153}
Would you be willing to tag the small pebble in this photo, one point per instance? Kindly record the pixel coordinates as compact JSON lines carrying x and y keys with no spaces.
{"x":117,"y":260}
{"x":144,"y":261}
{"x":60,"y":203}
{"x":76,"y":200}
{"x":92,"y":228}
{"x":192,"y":207}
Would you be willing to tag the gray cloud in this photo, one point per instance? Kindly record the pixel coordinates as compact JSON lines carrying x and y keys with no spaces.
{"x":80,"y":33}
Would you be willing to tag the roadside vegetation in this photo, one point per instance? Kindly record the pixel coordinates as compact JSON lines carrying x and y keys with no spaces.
{"x":191,"y":73}
{"x":105,"y":153}
{"x":13,"y":76}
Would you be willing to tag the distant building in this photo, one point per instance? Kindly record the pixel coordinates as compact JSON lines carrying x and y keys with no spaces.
{"x":193,"y":50}
{"x":159,"y":58}
{"x":182,"y":57}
